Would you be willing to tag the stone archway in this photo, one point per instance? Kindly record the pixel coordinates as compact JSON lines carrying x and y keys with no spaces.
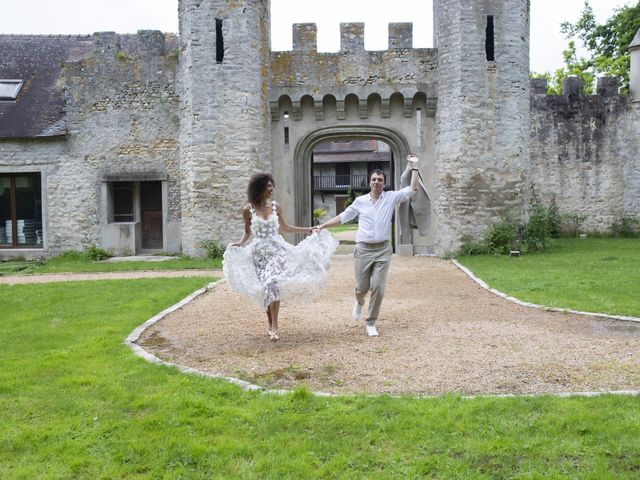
{"x":303,"y":169}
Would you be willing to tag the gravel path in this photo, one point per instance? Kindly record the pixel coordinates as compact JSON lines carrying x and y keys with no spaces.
{"x":439,"y":332}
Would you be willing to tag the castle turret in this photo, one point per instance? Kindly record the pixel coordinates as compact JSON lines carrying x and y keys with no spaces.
{"x":224,"y":115}
{"x":634,"y":74}
{"x":482,"y":120}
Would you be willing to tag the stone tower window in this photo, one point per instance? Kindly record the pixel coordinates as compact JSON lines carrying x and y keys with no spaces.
{"x":286,"y":128}
{"x":489,"y":44}
{"x":219,"y":41}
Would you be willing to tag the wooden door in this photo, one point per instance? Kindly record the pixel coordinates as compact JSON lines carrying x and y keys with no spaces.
{"x":151,"y":214}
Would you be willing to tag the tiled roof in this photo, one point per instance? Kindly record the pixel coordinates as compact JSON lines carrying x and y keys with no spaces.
{"x":38,"y":110}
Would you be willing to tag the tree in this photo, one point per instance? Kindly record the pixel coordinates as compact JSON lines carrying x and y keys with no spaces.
{"x":606,"y":44}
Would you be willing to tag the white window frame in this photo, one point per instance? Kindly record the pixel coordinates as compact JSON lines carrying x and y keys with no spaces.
{"x":10,"y":88}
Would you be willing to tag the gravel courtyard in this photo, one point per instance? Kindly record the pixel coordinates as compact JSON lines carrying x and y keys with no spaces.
{"x":439,"y":332}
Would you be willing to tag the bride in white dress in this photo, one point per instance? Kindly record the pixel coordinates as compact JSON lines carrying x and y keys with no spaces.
{"x":268,"y":268}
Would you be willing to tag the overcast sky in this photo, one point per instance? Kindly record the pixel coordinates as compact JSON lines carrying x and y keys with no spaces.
{"x":128,"y":16}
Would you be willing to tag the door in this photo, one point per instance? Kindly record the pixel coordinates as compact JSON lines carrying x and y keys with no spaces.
{"x":151,"y":214}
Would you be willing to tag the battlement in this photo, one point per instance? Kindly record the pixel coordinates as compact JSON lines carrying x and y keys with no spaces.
{"x":144,"y":44}
{"x":574,"y":87}
{"x":305,"y":37}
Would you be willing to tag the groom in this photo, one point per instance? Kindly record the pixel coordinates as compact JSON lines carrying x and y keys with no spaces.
{"x":372,"y":254}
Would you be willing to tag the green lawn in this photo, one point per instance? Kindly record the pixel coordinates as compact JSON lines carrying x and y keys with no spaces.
{"x":344,"y":228}
{"x":76,"y":403}
{"x":64,"y":264}
{"x":597,"y":275}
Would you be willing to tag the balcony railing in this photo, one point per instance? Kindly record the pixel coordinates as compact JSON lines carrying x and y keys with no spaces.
{"x":341,"y":182}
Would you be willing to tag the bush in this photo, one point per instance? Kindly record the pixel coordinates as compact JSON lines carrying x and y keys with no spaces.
{"x":471,"y":248}
{"x":626,"y":227}
{"x":501,"y":238}
{"x":96,"y":254}
{"x":318,"y":215}
{"x":537,"y":231}
{"x":351,"y":196}
{"x":213,"y":249}
{"x":72,"y":255}
{"x":571,"y":224}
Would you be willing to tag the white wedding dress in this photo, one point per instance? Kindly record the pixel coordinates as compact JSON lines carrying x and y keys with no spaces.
{"x":269,"y":268}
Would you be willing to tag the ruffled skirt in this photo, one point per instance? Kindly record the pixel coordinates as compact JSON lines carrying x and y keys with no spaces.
{"x":271,"y":269}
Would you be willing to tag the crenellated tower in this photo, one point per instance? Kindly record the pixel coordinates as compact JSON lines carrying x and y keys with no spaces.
{"x":224,"y":113}
{"x":482,"y":120}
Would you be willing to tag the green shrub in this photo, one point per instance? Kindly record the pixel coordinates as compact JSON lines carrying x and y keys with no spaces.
{"x":502,"y":236}
{"x":554,"y":218}
{"x":213,"y":249}
{"x":96,"y":254}
{"x":318,"y":214}
{"x":537,"y":231}
{"x":571,"y":224}
{"x":471,"y":248}
{"x":351,"y":196}
{"x":626,"y":227}
{"x":72,"y":255}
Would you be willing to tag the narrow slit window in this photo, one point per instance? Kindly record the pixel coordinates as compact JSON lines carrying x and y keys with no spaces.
{"x":489,"y":44}
{"x":286,"y":135}
{"x":219,"y":41}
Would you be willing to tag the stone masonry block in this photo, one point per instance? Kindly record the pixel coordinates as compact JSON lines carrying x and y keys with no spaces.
{"x":400,"y":35}
{"x":351,"y":37}
{"x":106,"y":43}
{"x":150,"y":43}
{"x":607,"y":86}
{"x":572,"y":86}
{"x":305,"y":37}
{"x":538,"y":86}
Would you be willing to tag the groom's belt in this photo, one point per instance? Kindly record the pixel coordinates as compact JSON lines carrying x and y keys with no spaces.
{"x":373,"y":244}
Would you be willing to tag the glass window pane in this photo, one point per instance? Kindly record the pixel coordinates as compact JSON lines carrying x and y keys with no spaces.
{"x":5,"y":209}
{"x":123,"y":201}
{"x":20,"y":210}
{"x":28,"y":210}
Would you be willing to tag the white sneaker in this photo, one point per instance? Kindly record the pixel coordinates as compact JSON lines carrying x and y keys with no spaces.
{"x":357,"y":310}
{"x":371,"y":330}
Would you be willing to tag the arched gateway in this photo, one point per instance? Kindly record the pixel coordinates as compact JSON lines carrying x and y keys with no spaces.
{"x":301,"y":176}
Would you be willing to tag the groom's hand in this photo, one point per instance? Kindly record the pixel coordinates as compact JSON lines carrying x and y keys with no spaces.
{"x":413,"y":160}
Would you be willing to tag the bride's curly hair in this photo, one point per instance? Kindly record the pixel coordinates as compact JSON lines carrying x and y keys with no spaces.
{"x":257,"y":185}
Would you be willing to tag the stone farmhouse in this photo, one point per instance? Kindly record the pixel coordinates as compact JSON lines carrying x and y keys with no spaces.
{"x":145,"y":142}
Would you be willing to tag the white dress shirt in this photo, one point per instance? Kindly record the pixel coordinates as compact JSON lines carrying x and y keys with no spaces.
{"x":375,"y":218}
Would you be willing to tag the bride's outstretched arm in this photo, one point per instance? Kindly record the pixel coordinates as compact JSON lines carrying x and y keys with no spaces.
{"x":246,"y":215}
{"x":289,"y":228}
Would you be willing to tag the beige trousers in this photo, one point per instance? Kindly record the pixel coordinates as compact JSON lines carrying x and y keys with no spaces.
{"x":371,"y":262}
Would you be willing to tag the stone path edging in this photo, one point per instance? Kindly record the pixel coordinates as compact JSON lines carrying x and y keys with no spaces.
{"x":133,"y":337}
{"x":480,"y":282}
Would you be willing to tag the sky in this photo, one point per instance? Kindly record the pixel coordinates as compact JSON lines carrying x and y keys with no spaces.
{"x":128,"y":16}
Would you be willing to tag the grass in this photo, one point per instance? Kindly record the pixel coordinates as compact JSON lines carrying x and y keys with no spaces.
{"x":77,"y":264}
{"x":347,"y":227}
{"x":78,"y":404}
{"x":597,"y":275}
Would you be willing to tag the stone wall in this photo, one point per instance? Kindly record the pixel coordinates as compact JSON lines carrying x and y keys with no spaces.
{"x":121,"y":114}
{"x":121,"y":120}
{"x":584,"y":150}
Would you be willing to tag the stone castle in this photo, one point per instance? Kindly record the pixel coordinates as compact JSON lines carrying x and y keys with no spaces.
{"x":146,"y":142}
